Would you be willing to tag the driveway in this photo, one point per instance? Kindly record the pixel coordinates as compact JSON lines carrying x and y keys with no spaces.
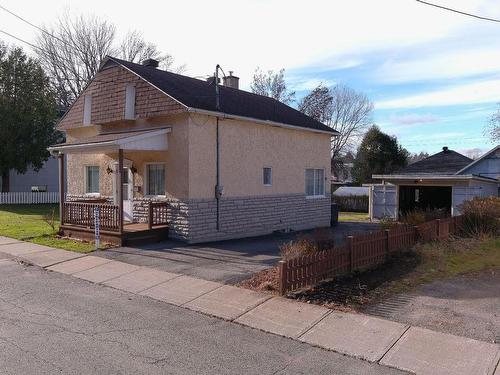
{"x":224,"y":261}
{"x":466,"y":306}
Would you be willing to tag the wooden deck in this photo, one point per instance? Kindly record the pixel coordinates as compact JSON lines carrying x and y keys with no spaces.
{"x":133,"y":234}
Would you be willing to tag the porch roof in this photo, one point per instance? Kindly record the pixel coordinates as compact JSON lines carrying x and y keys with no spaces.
{"x":139,"y":140}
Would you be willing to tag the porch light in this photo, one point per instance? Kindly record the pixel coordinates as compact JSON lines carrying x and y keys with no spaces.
{"x":109,"y":170}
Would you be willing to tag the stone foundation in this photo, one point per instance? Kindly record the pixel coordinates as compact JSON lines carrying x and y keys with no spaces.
{"x":195,"y":220}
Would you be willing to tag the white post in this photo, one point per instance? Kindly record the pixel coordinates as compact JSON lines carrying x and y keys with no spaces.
{"x":96,"y":227}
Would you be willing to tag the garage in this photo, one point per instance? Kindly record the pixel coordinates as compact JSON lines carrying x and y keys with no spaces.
{"x":427,"y":198}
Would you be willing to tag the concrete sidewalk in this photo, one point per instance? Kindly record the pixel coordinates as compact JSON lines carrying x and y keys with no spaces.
{"x":373,"y":339}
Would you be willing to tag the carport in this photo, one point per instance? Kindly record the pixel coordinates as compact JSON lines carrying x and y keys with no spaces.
{"x":425,"y":198}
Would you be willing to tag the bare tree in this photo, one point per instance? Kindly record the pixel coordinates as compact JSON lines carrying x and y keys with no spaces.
{"x":493,"y":127}
{"x":72,"y":50}
{"x":273,"y":85}
{"x":134,"y":48}
{"x":343,"y":109}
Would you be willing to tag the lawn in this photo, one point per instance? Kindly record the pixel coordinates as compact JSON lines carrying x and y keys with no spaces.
{"x":26,"y":222}
{"x":353,"y":216}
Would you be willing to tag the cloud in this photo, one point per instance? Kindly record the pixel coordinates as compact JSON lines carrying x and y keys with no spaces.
{"x":413,"y":118}
{"x":468,"y":93}
{"x":309,"y":84}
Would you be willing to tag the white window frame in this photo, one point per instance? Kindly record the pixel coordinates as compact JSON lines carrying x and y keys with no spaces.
{"x":92,"y":194}
{"x":315,"y":195}
{"x":87,"y":109}
{"x":130,"y":95}
{"x":270,"y":176}
{"x":146,"y":180}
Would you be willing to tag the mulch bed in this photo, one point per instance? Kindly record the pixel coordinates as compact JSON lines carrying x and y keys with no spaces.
{"x":348,"y":293}
{"x":352,"y":292}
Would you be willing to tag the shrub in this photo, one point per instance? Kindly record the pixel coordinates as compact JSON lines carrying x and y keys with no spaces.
{"x":414,"y":217}
{"x":481,"y":216}
{"x":387,"y":222}
{"x":294,"y":249}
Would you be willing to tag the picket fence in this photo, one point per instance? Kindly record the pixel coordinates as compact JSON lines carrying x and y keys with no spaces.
{"x":360,"y":252}
{"x":28,"y":197}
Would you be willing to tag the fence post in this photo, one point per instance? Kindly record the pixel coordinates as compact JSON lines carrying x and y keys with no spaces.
{"x":386,"y":243}
{"x":150,"y":215}
{"x":438,"y":222}
{"x":350,"y":241}
{"x":282,"y":275}
{"x":417,"y":237}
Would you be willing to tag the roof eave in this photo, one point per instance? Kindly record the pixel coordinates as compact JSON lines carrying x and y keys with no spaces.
{"x":331,"y":132}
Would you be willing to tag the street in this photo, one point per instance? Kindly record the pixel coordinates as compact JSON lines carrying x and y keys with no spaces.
{"x":53,"y":323}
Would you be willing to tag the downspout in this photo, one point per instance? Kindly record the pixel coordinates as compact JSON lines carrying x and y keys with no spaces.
{"x":218,"y":187}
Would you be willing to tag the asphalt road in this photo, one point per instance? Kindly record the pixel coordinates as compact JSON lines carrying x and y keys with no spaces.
{"x":55,"y":324}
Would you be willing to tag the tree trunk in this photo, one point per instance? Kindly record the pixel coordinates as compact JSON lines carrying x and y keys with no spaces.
{"x":5,"y":182}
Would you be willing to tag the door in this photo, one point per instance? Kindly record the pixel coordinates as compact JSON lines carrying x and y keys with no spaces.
{"x":383,"y":202}
{"x":128,"y":194}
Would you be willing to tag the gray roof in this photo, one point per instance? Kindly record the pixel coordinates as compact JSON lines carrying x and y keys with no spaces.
{"x":443,"y":163}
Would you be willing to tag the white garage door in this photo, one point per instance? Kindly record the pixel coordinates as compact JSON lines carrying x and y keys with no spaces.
{"x":383,"y":201}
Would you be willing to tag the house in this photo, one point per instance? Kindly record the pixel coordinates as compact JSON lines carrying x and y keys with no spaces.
{"x":441,"y":181}
{"x":43,"y":180}
{"x":158,"y":152}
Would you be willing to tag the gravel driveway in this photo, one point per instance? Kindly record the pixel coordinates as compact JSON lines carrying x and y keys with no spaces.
{"x":465,"y":306}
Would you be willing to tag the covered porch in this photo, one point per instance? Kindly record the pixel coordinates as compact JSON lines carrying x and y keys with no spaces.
{"x":116,"y":220}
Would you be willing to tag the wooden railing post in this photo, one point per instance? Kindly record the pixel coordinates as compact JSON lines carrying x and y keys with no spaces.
{"x":386,"y":243}
{"x":61,"y":187}
{"x":350,"y":246}
{"x":150,"y":215}
{"x":438,"y":223}
{"x":282,"y":277}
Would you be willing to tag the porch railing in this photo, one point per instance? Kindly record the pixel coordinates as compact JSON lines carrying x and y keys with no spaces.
{"x":82,"y":214}
{"x":157,"y":214}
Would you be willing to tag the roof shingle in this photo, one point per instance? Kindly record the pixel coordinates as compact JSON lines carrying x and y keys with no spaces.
{"x":444,"y":163}
{"x":200,"y":94}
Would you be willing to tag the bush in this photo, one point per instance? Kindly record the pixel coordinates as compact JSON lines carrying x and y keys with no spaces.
{"x":387,"y":222}
{"x":481,"y":216}
{"x":351,"y":203}
{"x":321,"y":239}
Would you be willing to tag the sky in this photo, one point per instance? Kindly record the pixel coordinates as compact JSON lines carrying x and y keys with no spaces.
{"x":433,"y":75}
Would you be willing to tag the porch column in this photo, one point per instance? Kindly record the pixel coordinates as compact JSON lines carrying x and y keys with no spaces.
{"x":120,"y":187}
{"x":61,"y":187}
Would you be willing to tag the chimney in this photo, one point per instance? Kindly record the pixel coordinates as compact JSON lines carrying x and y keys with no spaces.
{"x":445,"y":149}
{"x":151,"y":62}
{"x":231,"y":81}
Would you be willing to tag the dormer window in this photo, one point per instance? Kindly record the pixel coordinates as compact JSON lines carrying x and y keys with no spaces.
{"x":87,"y":109}
{"x":130,"y":102}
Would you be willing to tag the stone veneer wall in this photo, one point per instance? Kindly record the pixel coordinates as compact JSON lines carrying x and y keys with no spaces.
{"x":195,"y":220}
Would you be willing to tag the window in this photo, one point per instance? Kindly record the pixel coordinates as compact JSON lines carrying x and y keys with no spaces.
{"x":91,"y":179}
{"x":155,"y":179}
{"x":87,"y":109}
{"x":268,"y":176}
{"x":315,"y":184}
{"x":130,"y":102}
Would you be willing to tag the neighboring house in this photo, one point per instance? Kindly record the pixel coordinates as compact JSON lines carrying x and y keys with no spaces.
{"x":442,"y":181}
{"x":44,"y":179}
{"x":138,"y":135}
{"x":346,"y":191}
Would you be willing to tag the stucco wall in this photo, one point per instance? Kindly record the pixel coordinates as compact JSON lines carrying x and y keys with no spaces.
{"x":175,"y":159}
{"x":245,"y":149}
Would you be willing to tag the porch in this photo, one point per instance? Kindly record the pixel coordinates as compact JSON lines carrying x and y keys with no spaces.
{"x":116,"y":220}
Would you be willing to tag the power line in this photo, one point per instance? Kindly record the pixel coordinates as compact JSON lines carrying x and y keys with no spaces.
{"x":21,"y":40}
{"x":35,"y":26}
{"x":459,"y":11}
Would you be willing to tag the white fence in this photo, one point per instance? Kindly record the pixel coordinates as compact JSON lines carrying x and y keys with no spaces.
{"x":28,"y":197}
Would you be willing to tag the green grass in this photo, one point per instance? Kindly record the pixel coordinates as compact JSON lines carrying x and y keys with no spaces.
{"x":353,"y":216}
{"x":25,"y":222}
{"x":443,"y":260}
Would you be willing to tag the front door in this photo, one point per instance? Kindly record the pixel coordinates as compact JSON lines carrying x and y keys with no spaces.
{"x":128,"y":194}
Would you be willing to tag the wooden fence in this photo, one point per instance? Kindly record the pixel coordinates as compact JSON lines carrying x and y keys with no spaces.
{"x":351,"y":203}
{"x":157,"y":214}
{"x":28,"y":197}
{"x":360,"y":252}
{"x":82,"y":214}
